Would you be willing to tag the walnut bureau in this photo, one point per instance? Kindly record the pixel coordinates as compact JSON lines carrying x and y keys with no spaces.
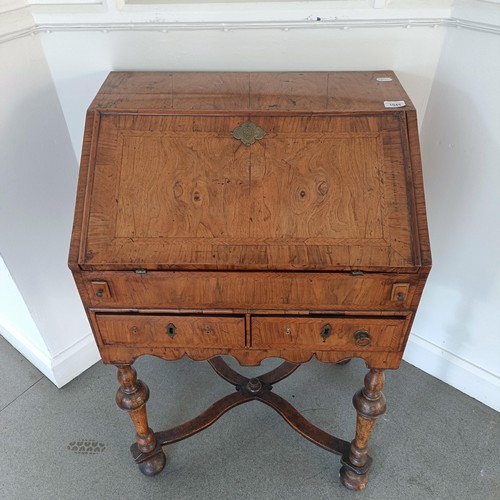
{"x":253,"y":215}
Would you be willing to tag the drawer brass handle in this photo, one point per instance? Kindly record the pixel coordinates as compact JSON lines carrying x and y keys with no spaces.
{"x":362,"y":338}
{"x":171,"y":330}
{"x":326,"y":331}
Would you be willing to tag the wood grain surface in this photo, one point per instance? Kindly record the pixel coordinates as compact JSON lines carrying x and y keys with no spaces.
{"x":181,"y":193}
{"x":306,"y":332}
{"x":288,"y":92}
{"x":322,"y":216}
{"x":193,"y":237}
{"x":187,"y":331}
{"x":252,"y":290}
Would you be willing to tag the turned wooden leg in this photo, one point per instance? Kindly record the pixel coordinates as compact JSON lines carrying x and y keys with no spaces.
{"x":369,"y":403}
{"x":132,"y":397}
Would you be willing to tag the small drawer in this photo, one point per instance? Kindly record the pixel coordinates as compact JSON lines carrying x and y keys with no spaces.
{"x":171,"y":331}
{"x":328,"y":333}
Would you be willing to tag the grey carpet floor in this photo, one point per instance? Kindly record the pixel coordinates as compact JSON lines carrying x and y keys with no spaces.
{"x":433,"y":442}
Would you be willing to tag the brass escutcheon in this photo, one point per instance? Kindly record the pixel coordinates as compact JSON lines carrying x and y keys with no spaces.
{"x":326,"y":331}
{"x":171,"y":330}
{"x":248,"y":133}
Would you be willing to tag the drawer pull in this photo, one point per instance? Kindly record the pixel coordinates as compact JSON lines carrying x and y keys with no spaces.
{"x":400,"y":292}
{"x":171,"y":330}
{"x":101,"y":289}
{"x":362,"y":338}
{"x":326,"y":331}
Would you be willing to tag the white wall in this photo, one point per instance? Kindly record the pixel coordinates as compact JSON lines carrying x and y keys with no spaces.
{"x":439,"y":66}
{"x":15,"y":318}
{"x":460,"y":317}
{"x":38,"y":170}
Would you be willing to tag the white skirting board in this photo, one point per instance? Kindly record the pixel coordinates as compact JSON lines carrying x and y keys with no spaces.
{"x":62,"y":368}
{"x":73,"y":361}
{"x":453,"y":370}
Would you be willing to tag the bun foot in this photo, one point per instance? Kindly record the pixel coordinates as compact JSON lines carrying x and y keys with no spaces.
{"x":351,"y":480}
{"x":154,"y":465}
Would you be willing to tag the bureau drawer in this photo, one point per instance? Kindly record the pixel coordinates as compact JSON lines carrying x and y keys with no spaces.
{"x":328,"y":333}
{"x":223,"y":290}
{"x":171,"y":331}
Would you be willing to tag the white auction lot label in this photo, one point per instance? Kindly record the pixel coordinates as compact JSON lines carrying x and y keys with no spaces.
{"x":394,"y":104}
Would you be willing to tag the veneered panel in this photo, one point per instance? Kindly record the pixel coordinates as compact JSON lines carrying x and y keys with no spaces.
{"x":257,"y":290}
{"x":180,"y":192}
{"x":171,"y":331}
{"x":327,"y":333}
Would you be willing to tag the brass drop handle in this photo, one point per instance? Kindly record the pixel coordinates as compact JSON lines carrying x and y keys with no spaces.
{"x":362,"y":338}
{"x":171,"y":330}
{"x":326,"y":331}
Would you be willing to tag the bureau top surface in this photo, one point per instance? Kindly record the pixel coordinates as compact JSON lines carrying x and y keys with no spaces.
{"x":264,"y":92}
{"x":329,"y":180}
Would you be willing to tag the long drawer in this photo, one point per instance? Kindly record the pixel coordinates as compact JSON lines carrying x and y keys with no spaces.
{"x":251,"y":290}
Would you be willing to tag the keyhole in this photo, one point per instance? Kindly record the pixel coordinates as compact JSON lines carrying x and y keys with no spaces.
{"x":326,"y":331}
{"x":171,"y":330}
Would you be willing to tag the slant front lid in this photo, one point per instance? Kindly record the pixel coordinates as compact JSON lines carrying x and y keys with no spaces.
{"x":185,"y":191}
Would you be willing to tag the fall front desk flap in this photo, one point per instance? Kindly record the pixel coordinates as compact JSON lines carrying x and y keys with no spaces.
{"x":263,"y":187}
